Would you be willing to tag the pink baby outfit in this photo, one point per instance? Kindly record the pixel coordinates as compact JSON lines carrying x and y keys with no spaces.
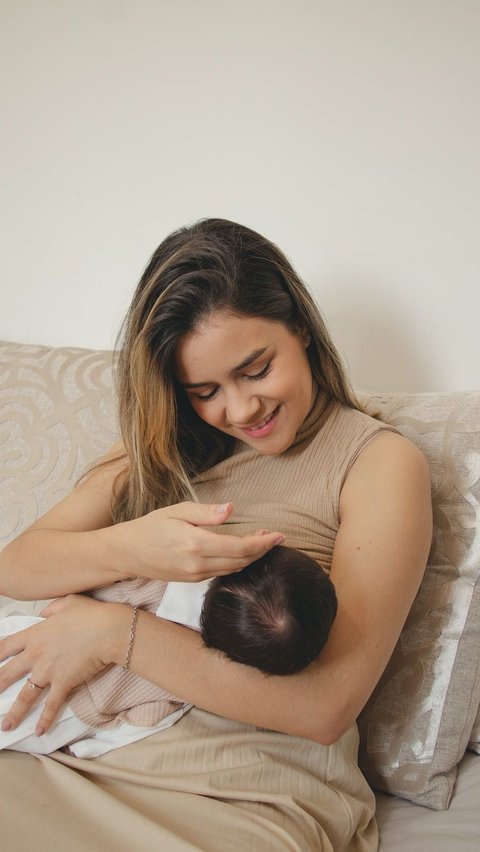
{"x":113,"y":696}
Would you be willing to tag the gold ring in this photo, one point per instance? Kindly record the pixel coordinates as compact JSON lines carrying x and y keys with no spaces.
{"x":33,"y":685}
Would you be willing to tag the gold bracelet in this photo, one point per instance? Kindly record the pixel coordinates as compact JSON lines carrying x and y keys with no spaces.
{"x":131,"y":640}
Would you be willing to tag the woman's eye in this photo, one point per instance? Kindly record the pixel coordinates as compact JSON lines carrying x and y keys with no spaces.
{"x":262,"y":373}
{"x":208,"y":396}
{"x":255,"y":377}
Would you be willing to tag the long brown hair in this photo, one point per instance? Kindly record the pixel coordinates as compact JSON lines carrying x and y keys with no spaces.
{"x":209,"y":266}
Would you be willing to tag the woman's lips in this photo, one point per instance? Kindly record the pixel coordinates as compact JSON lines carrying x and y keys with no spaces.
{"x":266,"y":428}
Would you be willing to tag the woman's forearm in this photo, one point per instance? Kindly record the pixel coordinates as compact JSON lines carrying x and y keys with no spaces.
{"x":204,"y":677}
{"x":166,"y":544}
{"x":48,"y":563}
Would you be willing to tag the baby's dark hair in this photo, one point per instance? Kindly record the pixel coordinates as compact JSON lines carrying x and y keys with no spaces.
{"x":274,"y":615}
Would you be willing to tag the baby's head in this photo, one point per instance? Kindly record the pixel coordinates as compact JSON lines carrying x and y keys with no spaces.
{"x":274,"y":615}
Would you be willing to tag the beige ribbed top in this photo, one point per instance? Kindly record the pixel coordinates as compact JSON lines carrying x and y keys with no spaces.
{"x":297,"y":493}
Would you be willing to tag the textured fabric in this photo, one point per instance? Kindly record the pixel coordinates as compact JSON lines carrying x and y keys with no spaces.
{"x":56,"y":416}
{"x":418,"y":722}
{"x":474,"y":743}
{"x":297,"y":492}
{"x":67,"y":729}
{"x":114,"y":696}
{"x":204,"y":784}
{"x":405,"y":827}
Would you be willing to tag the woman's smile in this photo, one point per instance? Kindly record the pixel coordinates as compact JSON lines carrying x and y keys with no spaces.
{"x":248,"y":377}
{"x":265,"y":427}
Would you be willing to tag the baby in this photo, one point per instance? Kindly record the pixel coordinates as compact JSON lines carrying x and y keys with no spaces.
{"x":275,"y":615}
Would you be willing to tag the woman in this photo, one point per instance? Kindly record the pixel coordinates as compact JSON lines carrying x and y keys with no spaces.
{"x":230,"y":391}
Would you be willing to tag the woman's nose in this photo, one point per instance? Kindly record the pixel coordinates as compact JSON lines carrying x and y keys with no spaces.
{"x":242,"y":408}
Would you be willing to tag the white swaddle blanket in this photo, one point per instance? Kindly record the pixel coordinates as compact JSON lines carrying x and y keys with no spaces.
{"x":182,"y":602}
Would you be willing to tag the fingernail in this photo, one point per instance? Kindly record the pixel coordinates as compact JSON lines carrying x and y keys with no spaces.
{"x":39,"y":732}
{"x":6,"y":726}
{"x":220,"y":510}
{"x":280,"y":540}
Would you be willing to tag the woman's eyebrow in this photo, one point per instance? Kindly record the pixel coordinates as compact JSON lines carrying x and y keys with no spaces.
{"x":245,"y":363}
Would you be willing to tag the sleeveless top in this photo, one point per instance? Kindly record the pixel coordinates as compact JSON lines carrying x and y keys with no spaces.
{"x":296,"y":493}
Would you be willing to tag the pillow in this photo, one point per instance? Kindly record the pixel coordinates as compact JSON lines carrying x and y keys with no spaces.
{"x":416,"y":725}
{"x":474,"y":744}
{"x":56,"y":416}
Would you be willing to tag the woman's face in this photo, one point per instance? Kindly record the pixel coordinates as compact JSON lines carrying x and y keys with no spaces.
{"x":248,"y":377}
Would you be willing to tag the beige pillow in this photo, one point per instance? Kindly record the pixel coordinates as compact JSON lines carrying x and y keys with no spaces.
{"x":56,"y":416}
{"x":417,"y":724}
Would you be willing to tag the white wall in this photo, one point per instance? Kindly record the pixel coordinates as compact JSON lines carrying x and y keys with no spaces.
{"x":348,"y":132}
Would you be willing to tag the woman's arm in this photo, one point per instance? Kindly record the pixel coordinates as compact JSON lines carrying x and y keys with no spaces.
{"x":69,"y":549}
{"x":379,"y":559}
{"x":74,"y":547}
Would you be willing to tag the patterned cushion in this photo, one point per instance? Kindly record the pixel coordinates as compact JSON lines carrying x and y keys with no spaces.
{"x":417,"y":724}
{"x":56,"y":416}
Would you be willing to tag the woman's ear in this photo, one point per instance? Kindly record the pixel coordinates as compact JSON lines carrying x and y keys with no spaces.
{"x":305,"y":335}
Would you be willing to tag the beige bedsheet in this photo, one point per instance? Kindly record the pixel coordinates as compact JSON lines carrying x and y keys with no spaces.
{"x":409,"y":828}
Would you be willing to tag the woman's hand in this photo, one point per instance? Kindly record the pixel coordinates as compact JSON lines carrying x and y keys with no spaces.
{"x":170,"y":544}
{"x":70,"y":646}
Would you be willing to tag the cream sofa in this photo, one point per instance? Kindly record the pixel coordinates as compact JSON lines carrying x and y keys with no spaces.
{"x":57,"y":414}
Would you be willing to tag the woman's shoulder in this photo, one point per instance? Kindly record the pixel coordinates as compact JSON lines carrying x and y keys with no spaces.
{"x":391,"y":465}
{"x":347,"y":414}
{"x":377,"y":450}
{"x":348,"y":427}
{"x":339,"y":440}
